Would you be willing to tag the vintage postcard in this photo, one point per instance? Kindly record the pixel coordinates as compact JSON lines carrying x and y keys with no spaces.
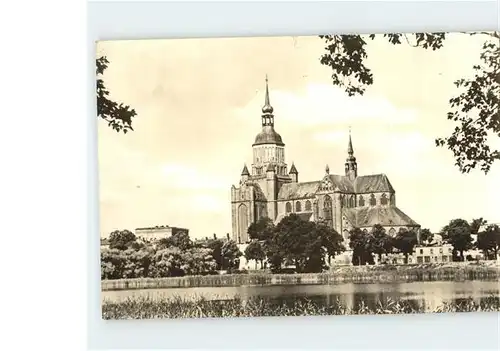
{"x":289,"y":176}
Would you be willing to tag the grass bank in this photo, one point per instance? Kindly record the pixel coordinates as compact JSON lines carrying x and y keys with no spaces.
{"x":146,"y":308}
{"x":338,"y":274}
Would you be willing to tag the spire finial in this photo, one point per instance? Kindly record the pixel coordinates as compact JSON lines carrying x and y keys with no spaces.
{"x":267,"y":109}
{"x":327,"y":169}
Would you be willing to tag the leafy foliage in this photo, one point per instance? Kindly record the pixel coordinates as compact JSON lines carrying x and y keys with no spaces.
{"x":476,"y":109}
{"x":230,"y":255}
{"x":489,"y":241}
{"x":458,"y":234}
{"x":261,"y":230}
{"x":405,"y":241}
{"x":380,"y":243}
{"x":426,"y":236}
{"x":121,"y":239}
{"x":476,"y":224}
{"x":302,"y":243}
{"x":255,"y":251}
{"x":118,"y":115}
{"x":361,"y":245}
{"x":180,"y":239}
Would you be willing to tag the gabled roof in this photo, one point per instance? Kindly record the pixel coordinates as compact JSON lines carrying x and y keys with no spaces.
{"x":374,"y":183}
{"x":342,"y":183}
{"x":298,"y":190}
{"x":383,"y":215}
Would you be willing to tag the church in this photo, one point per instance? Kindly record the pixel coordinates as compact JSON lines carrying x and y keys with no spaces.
{"x":343,"y":201}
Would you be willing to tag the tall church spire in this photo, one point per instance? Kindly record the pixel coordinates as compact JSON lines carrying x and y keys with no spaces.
{"x":351,"y":167}
{"x":267,"y":109}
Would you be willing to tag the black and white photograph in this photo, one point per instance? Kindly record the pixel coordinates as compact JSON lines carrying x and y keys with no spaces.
{"x":339,"y":174}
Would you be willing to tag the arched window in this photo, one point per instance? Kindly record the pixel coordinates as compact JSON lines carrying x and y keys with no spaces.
{"x":383,"y":199}
{"x":327,"y":210}
{"x":392,"y":200}
{"x":288,"y":207}
{"x":243,"y":223}
{"x":298,"y":207}
{"x":361,"y":201}
{"x":373,"y":201}
{"x":352,"y":201}
{"x":308,"y":205}
{"x":392,"y":232}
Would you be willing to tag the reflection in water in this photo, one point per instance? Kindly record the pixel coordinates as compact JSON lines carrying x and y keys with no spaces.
{"x":427,"y":295}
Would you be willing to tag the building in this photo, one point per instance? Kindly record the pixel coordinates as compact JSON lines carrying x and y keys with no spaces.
{"x":158,"y":232}
{"x":345,"y":201}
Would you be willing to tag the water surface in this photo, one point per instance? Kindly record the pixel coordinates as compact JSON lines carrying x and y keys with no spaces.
{"x":428,"y":295}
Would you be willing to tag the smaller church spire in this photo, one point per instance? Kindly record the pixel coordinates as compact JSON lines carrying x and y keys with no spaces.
{"x":351,"y":167}
{"x":350,"y":150}
{"x":245,"y":171}
{"x":327,"y":169}
{"x":293,"y":170}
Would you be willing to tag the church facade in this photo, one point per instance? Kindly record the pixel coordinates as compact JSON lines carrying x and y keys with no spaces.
{"x":270,"y":189}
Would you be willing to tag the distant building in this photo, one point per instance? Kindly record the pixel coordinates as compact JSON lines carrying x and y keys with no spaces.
{"x":158,"y":232}
{"x":345,"y":201}
{"x":433,"y":254}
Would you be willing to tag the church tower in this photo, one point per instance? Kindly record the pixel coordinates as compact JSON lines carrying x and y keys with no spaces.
{"x":268,"y":147}
{"x":258,"y":189}
{"x":351,"y":167}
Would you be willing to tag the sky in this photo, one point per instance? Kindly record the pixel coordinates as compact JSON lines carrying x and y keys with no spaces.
{"x":198,"y":104}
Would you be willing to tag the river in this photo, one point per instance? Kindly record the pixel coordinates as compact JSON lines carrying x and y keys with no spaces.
{"x":428,"y":295}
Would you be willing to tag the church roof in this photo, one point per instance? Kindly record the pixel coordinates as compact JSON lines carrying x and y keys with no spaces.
{"x":293,"y":169}
{"x":383,"y":215}
{"x":343,"y":183}
{"x":298,"y":190}
{"x":374,"y":183}
{"x":268,"y":136}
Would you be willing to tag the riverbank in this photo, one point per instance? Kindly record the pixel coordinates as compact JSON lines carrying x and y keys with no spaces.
{"x":147,"y":308}
{"x":338,"y":274}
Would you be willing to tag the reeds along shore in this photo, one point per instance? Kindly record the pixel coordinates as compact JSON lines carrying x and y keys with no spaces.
{"x":147,"y":308}
{"x":344,"y":274}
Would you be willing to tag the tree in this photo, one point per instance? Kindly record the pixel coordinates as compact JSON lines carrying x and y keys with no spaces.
{"x":230,"y":255}
{"x":489,"y":241}
{"x":426,"y":236}
{"x":303,"y":243}
{"x":405,"y":241}
{"x":476,"y":224}
{"x":254,"y":251}
{"x":261,"y":230}
{"x":121,"y":239}
{"x":180,"y":239}
{"x":458,"y":234}
{"x":118,"y":115}
{"x":361,"y":245}
{"x":476,"y":109}
{"x":381,"y":243}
